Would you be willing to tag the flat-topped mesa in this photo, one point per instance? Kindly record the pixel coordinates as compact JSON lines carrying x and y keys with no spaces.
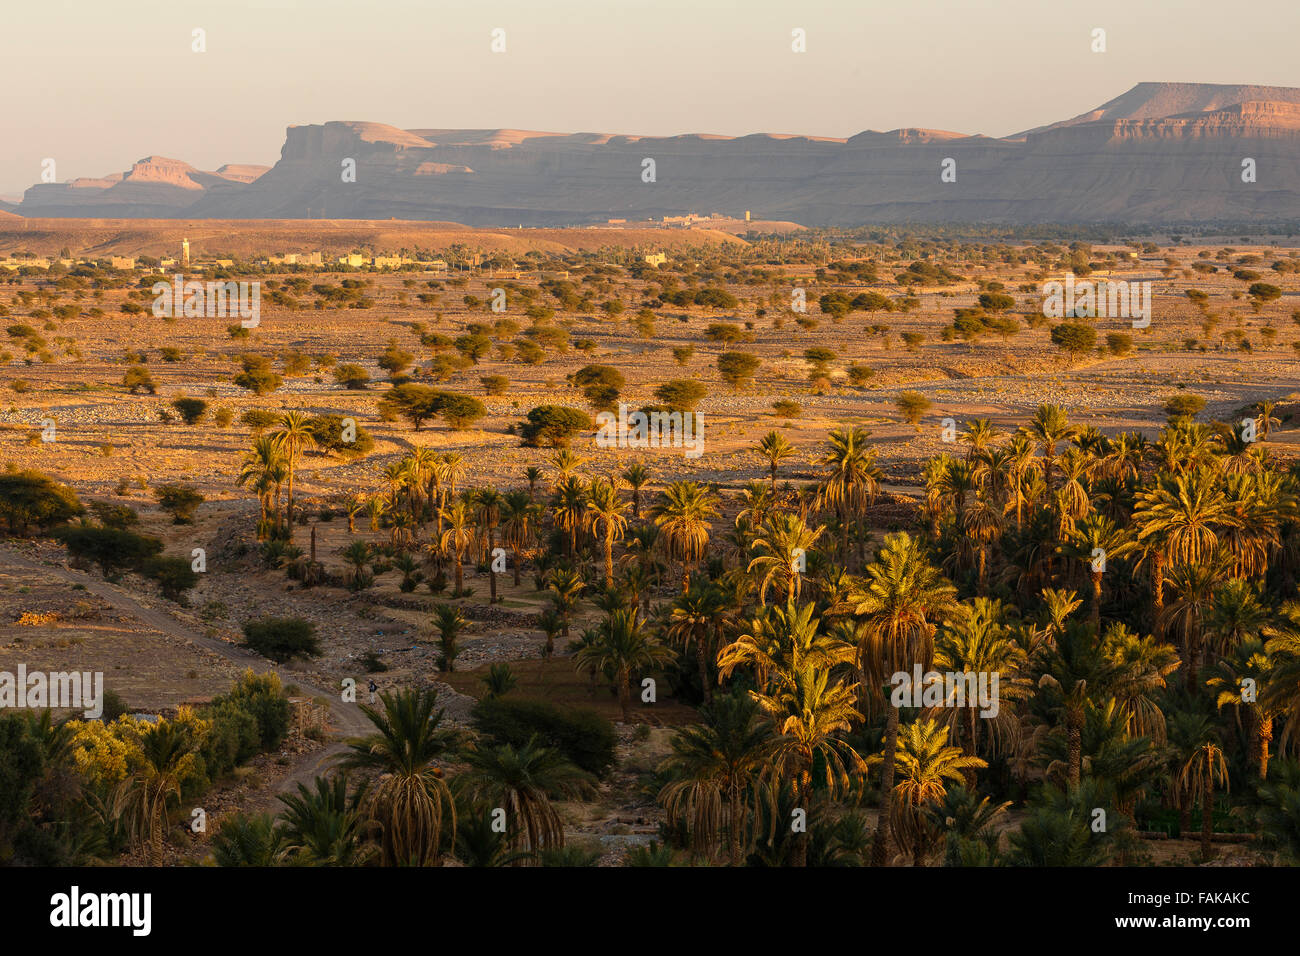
{"x":1161,"y":153}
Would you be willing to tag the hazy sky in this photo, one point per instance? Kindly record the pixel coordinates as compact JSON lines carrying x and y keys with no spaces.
{"x":98,"y":84}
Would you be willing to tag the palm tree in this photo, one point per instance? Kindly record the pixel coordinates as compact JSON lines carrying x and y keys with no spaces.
{"x":488,"y":502}
{"x":1176,"y":521}
{"x":566,"y":463}
{"x":782,"y":546}
{"x":809,"y":708}
{"x":458,"y":537}
{"x":609,"y":513}
{"x":693,"y":621}
{"x":1266,"y":419}
{"x":521,"y":781}
{"x":410,"y":800}
{"x":978,"y":435}
{"x":565,"y":584}
{"x":248,"y":839}
{"x":684,"y":516}
{"x":853,"y":481}
{"x":983,"y":525}
{"x":424,"y":463}
{"x":636,"y":476}
{"x":449,"y":622}
{"x":518,"y":526}
{"x":1050,"y":426}
{"x":532,"y":474}
{"x":903,"y":598}
{"x":167,"y":755}
{"x":264,"y":467}
{"x":976,"y":640}
{"x":326,"y":826}
{"x":376,"y":508}
{"x":1203,"y":770}
{"x":354,"y":505}
{"x":293,"y":434}
{"x":1097,"y":541}
{"x":774,"y":447}
{"x":1241,"y":682}
{"x":622,"y":647}
{"x":714,"y":764}
{"x":925,"y":760}
{"x":570,"y":507}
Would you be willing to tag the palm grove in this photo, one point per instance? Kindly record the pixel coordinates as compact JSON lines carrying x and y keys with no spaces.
{"x":1135,"y":597}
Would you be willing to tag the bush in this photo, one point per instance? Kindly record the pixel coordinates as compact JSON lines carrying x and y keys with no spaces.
{"x":191,"y":410}
{"x":1184,"y":406}
{"x":175,"y":576}
{"x":31,"y":499}
{"x":113,"y":549}
{"x":494,"y":384}
{"x":281,"y":639}
{"x":232,"y":738}
{"x":258,"y":420}
{"x":262,"y":696}
{"x":137,"y":377}
{"x":1075,"y":338}
{"x":328,"y":432}
{"x":583,"y":736}
{"x":680,"y":395}
{"x":460,"y":411}
{"x":179,"y":501}
{"x":352,"y":376}
{"x":1118,"y":343}
{"x":257,"y":375}
{"x":738,"y":368}
{"x":553,"y":426}
{"x":912,"y":405}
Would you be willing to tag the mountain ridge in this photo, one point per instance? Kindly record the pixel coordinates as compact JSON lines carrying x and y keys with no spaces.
{"x":1158,"y":153}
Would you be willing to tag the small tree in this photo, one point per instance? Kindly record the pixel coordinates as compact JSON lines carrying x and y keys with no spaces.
{"x":137,"y":378}
{"x":553,"y":426}
{"x":912,"y":405}
{"x":1075,"y":338}
{"x":352,"y":376}
{"x":738,"y":368}
{"x":180,"y":501}
{"x":281,"y":639}
{"x":191,"y":410}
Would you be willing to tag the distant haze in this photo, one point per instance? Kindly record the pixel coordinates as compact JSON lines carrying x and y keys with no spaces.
{"x":97,"y":86}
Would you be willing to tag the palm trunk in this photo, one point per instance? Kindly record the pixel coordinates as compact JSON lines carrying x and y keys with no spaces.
{"x":288,"y":505}
{"x":1074,"y":735}
{"x":492,"y":574}
{"x":880,"y":847}
{"x":702,"y":659}
{"x":459,"y":572}
{"x":734,"y":826}
{"x":1096,"y":602}
{"x":1158,"y":581}
{"x":971,"y":745}
{"x":625,"y":695}
{"x":1265,"y":734}
{"x":609,"y":560}
{"x":1207,"y":826}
